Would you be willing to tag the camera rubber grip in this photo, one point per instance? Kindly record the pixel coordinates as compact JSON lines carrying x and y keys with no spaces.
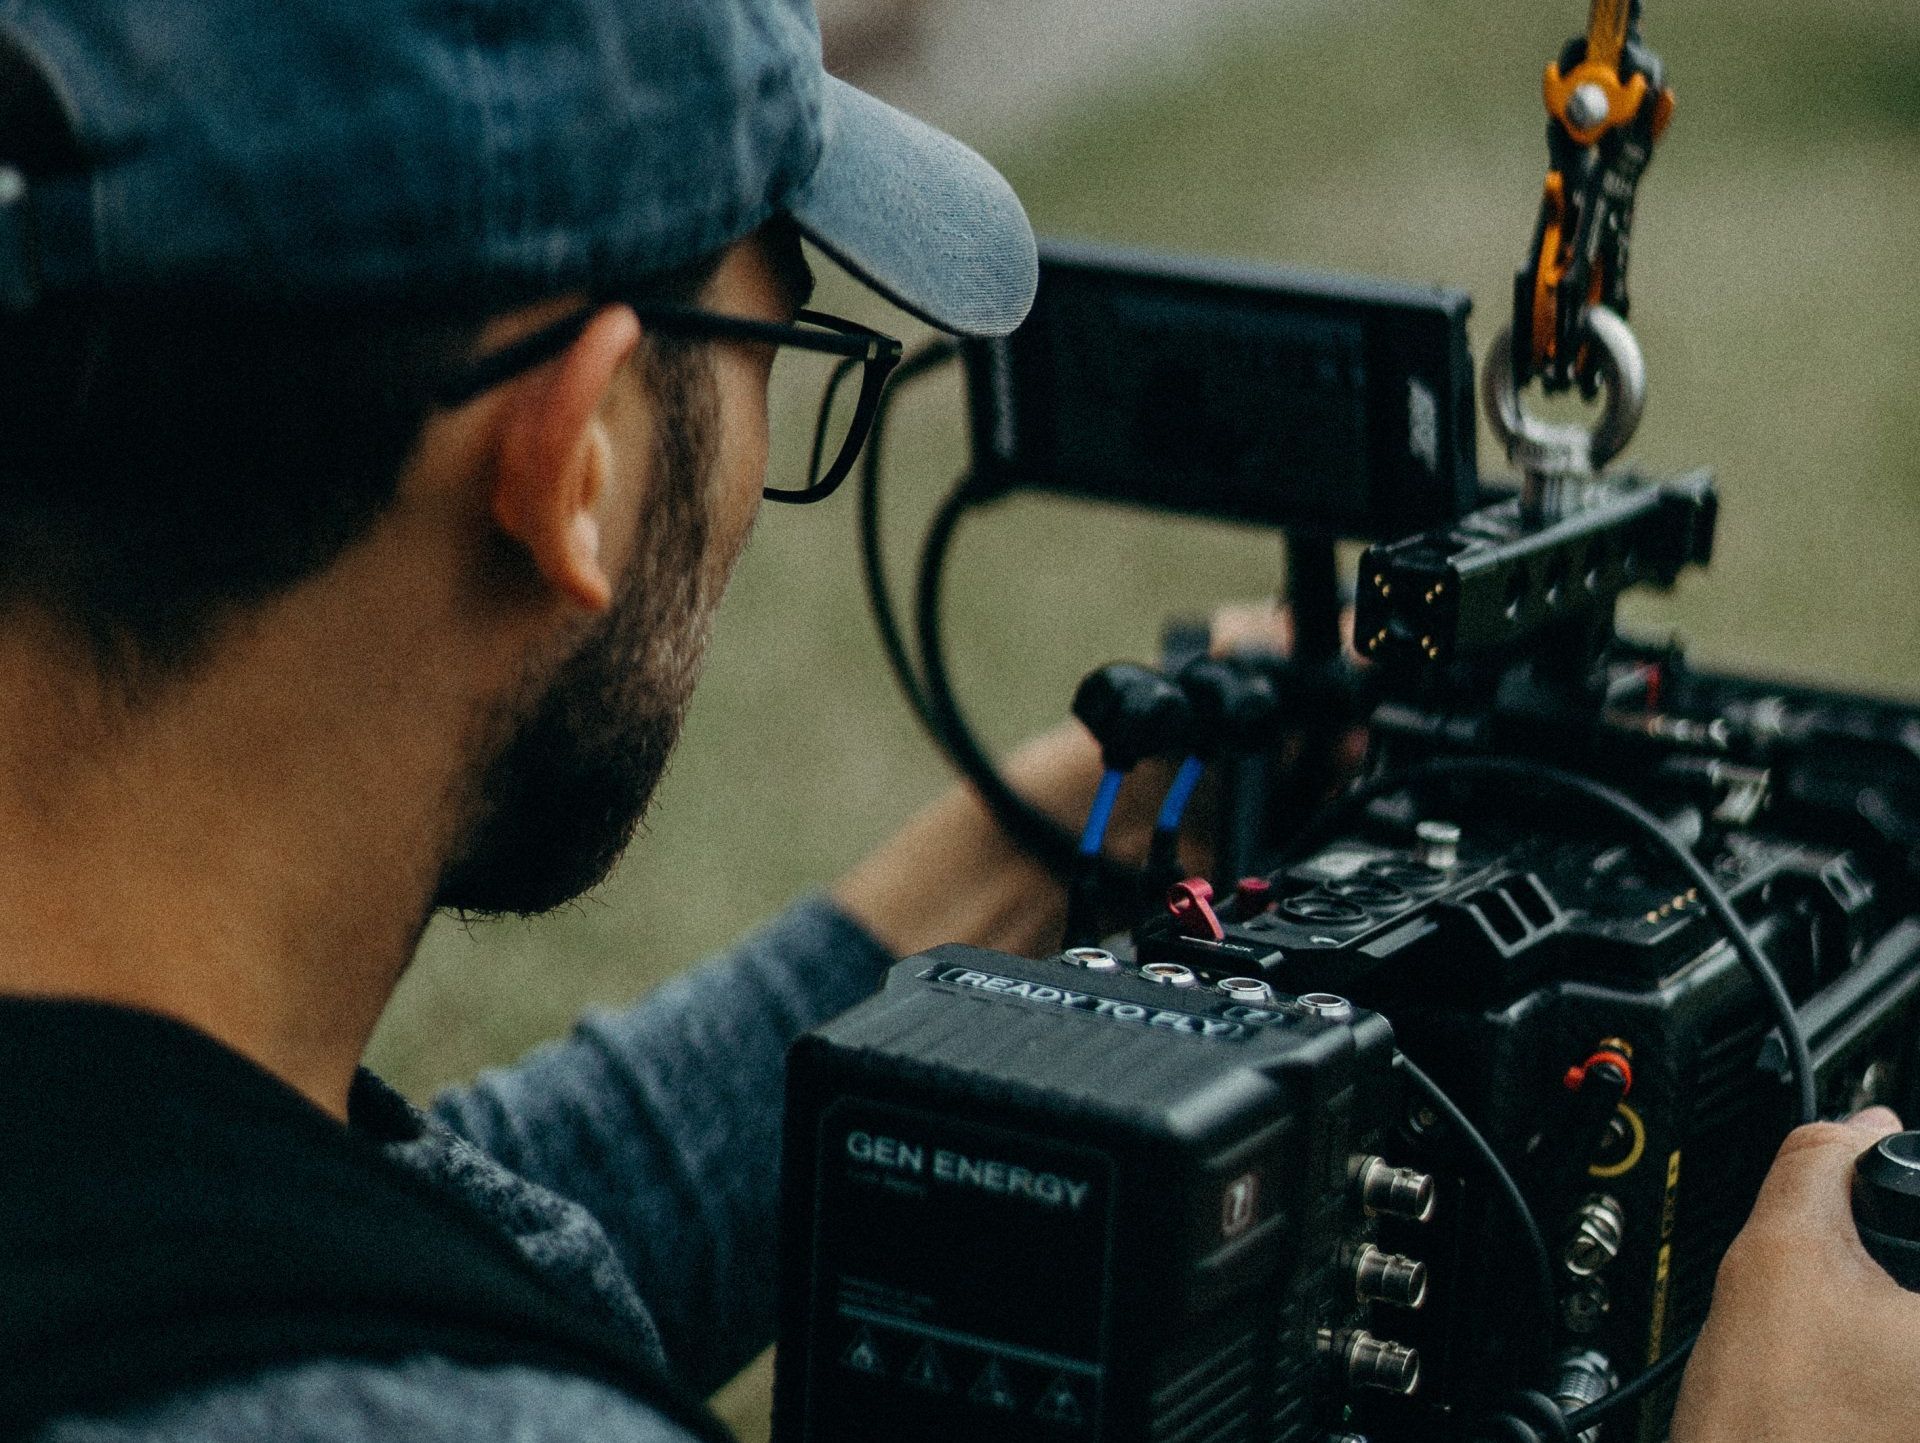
{"x":1886,"y":1205}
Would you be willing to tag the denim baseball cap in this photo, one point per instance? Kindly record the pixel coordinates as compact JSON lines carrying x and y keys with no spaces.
{"x":468,"y":153}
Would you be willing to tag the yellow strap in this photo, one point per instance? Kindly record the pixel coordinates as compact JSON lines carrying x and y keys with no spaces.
{"x":1607,"y":32}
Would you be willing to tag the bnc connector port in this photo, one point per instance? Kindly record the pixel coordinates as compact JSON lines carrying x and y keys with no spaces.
{"x":1593,"y":1238}
{"x":1383,"y":1277}
{"x":1370,"y":1362}
{"x":1396,"y":1191}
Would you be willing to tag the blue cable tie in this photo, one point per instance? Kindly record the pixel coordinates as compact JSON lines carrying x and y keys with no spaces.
{"x":1101,"y":813}
{"x":1179,"y":794}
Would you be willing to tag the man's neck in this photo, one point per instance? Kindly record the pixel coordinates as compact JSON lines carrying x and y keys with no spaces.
{"x":253,"y":852}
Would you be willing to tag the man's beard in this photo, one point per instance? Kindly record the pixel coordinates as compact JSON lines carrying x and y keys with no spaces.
{"x":573,"y":770}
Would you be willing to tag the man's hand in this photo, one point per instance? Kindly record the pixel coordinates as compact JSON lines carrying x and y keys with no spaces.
{"x":1809,"y":1341}
{"x":951,"y":875}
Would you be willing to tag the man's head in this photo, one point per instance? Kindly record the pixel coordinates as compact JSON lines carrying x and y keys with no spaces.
{"x":171,"y":473}
{"x":241,"y":255}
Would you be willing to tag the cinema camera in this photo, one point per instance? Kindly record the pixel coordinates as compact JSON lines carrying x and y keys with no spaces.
{"x":1431,"y":1121}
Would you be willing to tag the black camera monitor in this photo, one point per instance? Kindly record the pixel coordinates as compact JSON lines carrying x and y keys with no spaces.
{"x":1320,"y":403}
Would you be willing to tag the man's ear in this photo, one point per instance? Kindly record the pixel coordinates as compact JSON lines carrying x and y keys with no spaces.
{"x":552,"y":460}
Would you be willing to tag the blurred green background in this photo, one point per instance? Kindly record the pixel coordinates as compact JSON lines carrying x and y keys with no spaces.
{"x":1774,"y":294}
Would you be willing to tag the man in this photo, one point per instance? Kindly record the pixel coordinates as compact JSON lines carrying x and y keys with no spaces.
{"x":385,"y":397}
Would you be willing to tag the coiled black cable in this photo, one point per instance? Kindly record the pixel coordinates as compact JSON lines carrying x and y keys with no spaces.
{"x":928,"y":686}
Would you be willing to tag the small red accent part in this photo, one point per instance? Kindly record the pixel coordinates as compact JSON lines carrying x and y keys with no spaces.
{"x":1191,"y":903}
{"x":1656,"y":675}
{"x":1252,"y":896}
{"x":1576,"y":1077}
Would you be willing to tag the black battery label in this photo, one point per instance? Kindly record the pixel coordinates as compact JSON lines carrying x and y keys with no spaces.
{"x":959,"y":1281}
{"x":1113,"y":1009}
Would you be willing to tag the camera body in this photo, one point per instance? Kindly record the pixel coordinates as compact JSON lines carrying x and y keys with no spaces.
{"x":1034,"y":1200}
{"x":1512,"y":949}
{"x":1198,"y":1184}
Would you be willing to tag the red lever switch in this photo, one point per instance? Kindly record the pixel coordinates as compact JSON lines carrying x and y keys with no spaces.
{"x":1191,"y":903}
{"x":1576,"y":1077}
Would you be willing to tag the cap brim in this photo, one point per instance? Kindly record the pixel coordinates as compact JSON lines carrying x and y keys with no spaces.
{"x":919,"y":217}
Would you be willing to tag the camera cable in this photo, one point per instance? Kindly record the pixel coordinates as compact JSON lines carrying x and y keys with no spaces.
{"x":927,"y":687}
{"x":1133,"y":713}
{"x":1532,"y":1417}
{"x":1101,"y":812}
{"x":1163,"y":850}
{"x":1083,"y":887}
{"x":1581,"y":1419}
{"x":873,"y":567}
{"x":1539,"y":1261}
{"x":1542,"y":777}
{"x":1026,"y":824}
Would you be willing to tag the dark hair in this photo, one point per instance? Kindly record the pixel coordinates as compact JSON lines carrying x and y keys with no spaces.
{"x":163,"y":465}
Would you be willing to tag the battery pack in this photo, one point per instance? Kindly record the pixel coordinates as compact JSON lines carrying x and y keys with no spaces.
{"x":1031,"y":1200}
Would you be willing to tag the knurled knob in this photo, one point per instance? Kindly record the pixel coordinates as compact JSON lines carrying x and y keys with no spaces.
{"x":1886,"y":1205}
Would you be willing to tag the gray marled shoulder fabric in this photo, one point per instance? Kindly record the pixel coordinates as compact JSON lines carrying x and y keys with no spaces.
{"x":424,"y":1400}
{"x":635,"y":1163}
{"x":664,"y":1122}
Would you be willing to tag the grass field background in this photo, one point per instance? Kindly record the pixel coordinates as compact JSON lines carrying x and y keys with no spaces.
{"x":1774,"y":295}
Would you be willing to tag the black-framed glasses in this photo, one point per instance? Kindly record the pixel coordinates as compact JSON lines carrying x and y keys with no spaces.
{"x":816,"y":361}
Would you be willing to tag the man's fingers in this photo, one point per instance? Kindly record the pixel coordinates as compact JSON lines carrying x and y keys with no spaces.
{"x":1252,"y":626}
{"x":1812,"y":1173}
{"x":1879,"y":1120}
{"x":1805,"y":1210}
{"x":1262,"y":626}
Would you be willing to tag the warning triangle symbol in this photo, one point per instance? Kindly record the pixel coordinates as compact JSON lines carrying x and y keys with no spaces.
{"x":864,"y":1355}
{"x":993,"y":1389}
{"x":1060,"y":1404}
{"x":927,"y":1371}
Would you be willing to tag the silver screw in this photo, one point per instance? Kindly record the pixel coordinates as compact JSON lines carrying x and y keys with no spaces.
{"x":1583,"y":1376}
{"x":1094,"y":959}
{"x":1587,"y":106}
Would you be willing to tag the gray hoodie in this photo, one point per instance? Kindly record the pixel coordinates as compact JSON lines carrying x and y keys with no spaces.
{"x":635,"y":1163}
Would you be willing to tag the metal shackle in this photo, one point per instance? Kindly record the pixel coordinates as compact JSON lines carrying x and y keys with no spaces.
{"x":1566,"y":448}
